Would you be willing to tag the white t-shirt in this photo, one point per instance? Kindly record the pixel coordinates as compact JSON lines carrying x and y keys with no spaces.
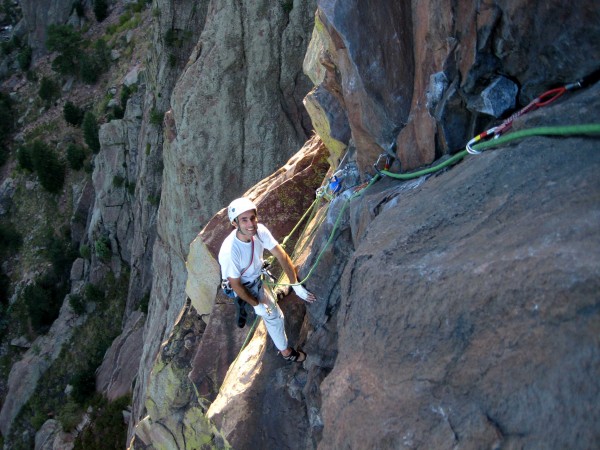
{"x":235,"y":255}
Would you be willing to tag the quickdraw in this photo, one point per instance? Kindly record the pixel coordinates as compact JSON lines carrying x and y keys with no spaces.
{"x":543,"y":100}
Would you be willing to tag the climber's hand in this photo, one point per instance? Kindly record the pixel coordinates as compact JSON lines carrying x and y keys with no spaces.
{"x":304,"y":294}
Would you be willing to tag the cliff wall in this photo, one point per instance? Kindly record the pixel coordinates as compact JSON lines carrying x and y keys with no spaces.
{"x":455,"y":309}
{"x":442,"y":317}
{"x":236,"y":116}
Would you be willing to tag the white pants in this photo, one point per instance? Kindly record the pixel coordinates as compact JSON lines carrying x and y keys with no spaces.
{"x":271,"y":314}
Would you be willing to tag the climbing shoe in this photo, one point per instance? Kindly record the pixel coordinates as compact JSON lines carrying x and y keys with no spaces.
{"x":295,"y":356}
{"x":242,"y":315}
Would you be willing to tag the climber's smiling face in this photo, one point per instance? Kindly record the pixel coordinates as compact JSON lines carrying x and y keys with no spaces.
{"x":246,"y":224}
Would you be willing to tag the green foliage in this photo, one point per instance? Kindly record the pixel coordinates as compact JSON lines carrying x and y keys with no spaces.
{"x":24,"y":58}
{"x":287,"y":6}
{"x":154,"y":200}
{"x":49,"y":90}
{"x":93,"y":293}
{"x":72,"y":59}
{"x":131,"y":188}
{"x":107,"y":429}
{"x":118,"y":181}
{"x":171,"y":39}
{"x":7,"y":47}
{"x":138,"y":6}
{"x":90,"y":69}
{"x":76,"y":156}
{"x":156,"y":117}
{"x":125,"y":17}
{"x":100,"y":10}
{"x":144,"y":302}
{"x":102,"y":247}
{"x":65,"y":40}
{"x":81,"y":355}
{"x":117,"y":113}
{"x":60,"y":253}
{"x":77,"y":304}
{"x":49,"y":169}
{"x":90,"y":132}
{"x":84,"y":384}
{"x":126,"y":92}
{"x":6,"y":116}
{"x":78,"y":8}
{"x":95,"y":63}
{"x":85,"y":252}
{"x":24,"y":157}
{"x":10,"y":239}
{"x":70,"y":415}
{"x":73,"y":114}
{"x":43,"y":299}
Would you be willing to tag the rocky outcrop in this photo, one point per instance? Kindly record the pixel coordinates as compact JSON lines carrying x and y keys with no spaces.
{"x":115,"y":174}
{"x":414,"y":83}
{"x":25,"y":373}
{"x":115,"y":377}
{"x":39,"y":15}
{"x":235,"y":117}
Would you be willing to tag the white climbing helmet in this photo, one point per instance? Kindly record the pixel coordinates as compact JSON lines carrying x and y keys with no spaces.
{"x":239,"y":206}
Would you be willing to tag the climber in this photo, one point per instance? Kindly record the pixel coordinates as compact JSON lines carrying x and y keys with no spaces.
{"x":241,"y":260}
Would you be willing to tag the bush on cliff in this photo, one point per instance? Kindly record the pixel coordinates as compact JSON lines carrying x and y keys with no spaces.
{"x":49,"y":90}
{"x":90,"y":132}
{"x":24,"y":58}
{"x":73,"y":114}
{"x":65,"y":40}
{"x":48,"y":167}
{"x":76,"y":156}
{"x":43,"y":299}
{"x":107,"y":428}
{"x":95,"y":63}
{"x":10,"y":239}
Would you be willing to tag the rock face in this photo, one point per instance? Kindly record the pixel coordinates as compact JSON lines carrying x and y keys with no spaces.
{"x":235,"y":116}
{"x":480,"y":302}
{"x":457,"y":309}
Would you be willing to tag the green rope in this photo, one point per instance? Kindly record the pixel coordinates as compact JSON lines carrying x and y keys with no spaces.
{"x":310,"y":208}
{"x":331,"y":235}
{"x":566,"y":130}
{"x":587,"y":129}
